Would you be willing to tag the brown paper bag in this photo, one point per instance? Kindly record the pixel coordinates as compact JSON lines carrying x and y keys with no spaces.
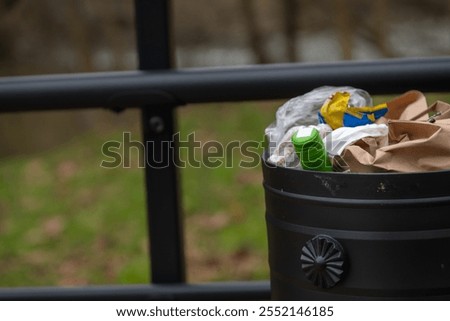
{"x":407,"y":106}
{"x":419,"y":139}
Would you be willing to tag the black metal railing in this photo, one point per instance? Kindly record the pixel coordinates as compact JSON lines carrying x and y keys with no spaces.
{"x":157,"y":90}
{"x":117,"y":90}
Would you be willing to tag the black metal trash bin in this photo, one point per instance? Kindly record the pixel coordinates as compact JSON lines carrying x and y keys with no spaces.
{"x":336,"y":236}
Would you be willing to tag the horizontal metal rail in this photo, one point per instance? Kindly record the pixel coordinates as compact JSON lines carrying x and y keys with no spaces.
{"x":177,"y":87}
{"x":220,"y":291}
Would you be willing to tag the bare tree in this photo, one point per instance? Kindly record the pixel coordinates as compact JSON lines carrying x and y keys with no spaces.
{"x":290,"y":26}
{"x":255,"y":37}
{"x":6,"y":40}
{"x":78,"y":32}
{"x":375,"y":29}
{"x":365,"y":19}
{"x":342,"y":9}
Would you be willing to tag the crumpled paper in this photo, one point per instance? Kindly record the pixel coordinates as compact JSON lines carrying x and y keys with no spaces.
{"x":418,"y":141}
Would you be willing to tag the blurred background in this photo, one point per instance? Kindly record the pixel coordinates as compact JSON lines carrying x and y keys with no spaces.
{"x":66,"y":221}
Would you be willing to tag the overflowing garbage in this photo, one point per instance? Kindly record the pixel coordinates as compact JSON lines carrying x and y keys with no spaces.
{"x":339,"y":129}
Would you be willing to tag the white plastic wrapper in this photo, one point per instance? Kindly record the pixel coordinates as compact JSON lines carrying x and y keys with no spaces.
{"x":338,"y":139}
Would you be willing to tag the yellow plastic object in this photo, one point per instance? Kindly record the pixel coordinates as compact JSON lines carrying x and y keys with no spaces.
{"x":336,"y":112}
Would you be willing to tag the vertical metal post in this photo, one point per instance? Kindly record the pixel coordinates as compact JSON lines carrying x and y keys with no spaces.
{"x":158,"y":122}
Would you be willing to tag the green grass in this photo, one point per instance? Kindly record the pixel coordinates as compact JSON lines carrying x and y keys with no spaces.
{"x":225,"y":206}
{"x":66,"y":221}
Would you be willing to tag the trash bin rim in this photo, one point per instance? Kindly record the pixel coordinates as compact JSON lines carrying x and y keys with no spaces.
{"x":265,"y":155}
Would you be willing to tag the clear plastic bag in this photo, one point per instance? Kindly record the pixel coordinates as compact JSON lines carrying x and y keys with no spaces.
{"x":302,"y":110}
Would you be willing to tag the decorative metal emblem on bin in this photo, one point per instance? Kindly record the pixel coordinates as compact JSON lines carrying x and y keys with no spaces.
{"x":323,"y":261}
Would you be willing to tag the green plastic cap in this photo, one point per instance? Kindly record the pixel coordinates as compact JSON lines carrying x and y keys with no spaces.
{"x":310,"y":150}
